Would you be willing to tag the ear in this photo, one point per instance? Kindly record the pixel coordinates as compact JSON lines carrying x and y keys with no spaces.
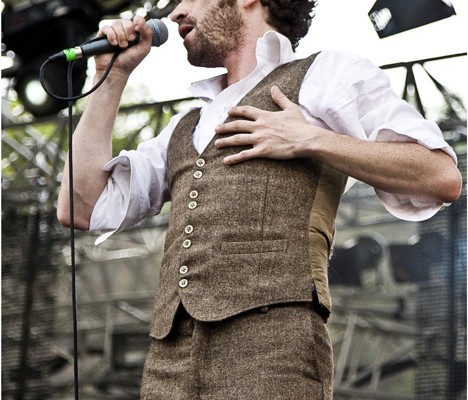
{"x":249,"y":3}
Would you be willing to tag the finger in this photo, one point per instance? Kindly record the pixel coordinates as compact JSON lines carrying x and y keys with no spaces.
{"x":239,"y":157}
{"x":107,"y":32}
{"x":139,"y":22}
{"x":247,"y":112}
{"x":142,"y":28}
{"x":235,"y":126}
{"x":280,"y":98}
{"x":128,"y":34}
{"x":120,"y":32}
{"x":242,"y":139}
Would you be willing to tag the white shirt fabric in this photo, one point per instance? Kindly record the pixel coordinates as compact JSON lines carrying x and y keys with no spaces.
{"x":342,"y":92}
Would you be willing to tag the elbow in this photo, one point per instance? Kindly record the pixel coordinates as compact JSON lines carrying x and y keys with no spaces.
{"x":447,"y":179}
{"x":64,"y":218}
{"x":81,"y":215}
{"x":63,"y":209}
{"x":450,"y":188}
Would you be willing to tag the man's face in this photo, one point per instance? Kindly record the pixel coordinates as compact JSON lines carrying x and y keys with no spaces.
{"x":211,"y":30}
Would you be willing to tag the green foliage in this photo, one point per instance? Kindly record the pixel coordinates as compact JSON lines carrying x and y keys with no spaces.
{"x":33,"y":153}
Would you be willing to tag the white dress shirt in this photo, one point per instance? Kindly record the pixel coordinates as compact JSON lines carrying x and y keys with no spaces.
{"x":342,"y":92}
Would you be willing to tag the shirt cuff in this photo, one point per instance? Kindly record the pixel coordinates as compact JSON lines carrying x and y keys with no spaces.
{"x":112,"y":207}
{"x":409,"y":208}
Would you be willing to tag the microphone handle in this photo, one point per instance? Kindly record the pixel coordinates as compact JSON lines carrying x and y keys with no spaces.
{"x":91,"y":48}
{"x":100,"y":46}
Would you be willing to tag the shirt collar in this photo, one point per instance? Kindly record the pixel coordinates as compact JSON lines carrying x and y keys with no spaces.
{"x":273,"y":49}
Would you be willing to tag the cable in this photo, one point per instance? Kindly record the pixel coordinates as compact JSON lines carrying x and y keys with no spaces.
{"x":72,"y":231}
{"x":70,"y":98}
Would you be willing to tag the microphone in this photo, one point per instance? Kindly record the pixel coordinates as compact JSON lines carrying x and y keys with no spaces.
{"x":102,"y":46}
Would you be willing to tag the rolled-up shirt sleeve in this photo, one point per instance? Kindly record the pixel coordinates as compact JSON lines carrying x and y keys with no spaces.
{"x":137,"y":187}
{"x":357,"y":100}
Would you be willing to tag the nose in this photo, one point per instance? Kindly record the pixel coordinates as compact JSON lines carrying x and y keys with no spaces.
{"x":180,"y":12}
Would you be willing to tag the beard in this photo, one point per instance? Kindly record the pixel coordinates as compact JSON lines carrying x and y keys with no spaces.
{"x":219,"y":33}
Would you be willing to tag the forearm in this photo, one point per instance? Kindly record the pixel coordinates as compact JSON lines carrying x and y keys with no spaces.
{"x":396,"y":167}
{"x":92,"y":149}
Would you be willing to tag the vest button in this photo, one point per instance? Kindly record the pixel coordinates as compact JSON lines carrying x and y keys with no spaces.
{"x":183,"y":270}
{"x":183,"y":283}
{"x":192,"y":205}
{"x":186,"y":244}
{"x":197,"y":174}
{"x":193,"y":194}
{"x":188,"y":229}
{"x":200,"y":162}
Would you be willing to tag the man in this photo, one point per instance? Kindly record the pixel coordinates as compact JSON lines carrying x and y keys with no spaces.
{"x":254,"y":178}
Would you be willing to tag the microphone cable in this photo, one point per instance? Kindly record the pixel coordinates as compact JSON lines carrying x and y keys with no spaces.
{"x":71,"y":98}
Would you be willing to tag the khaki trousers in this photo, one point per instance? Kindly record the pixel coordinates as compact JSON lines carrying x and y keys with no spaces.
{"x":280,"y":352}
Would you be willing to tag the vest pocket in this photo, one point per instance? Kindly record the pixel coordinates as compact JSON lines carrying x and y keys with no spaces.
{"x":258,"y":246}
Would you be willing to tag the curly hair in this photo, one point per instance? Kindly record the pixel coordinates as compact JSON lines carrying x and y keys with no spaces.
{"x":292,"y":18}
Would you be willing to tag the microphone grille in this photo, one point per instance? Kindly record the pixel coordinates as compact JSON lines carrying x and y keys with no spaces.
{"x":160,"y":32}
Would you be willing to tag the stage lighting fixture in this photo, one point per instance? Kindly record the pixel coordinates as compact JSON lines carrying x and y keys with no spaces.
{"x":351,"y":260}
{"x":390,"y":17}
{"x":33,"y":30}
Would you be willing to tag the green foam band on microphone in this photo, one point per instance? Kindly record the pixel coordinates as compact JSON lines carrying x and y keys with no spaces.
{"x":70,"y":54}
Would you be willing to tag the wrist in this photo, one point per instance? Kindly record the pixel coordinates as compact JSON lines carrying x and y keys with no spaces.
{"x":316,"y":143}
{"x":114,"y":82}
{"x":115,"y":75}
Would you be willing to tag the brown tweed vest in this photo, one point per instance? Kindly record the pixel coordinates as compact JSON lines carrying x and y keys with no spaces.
{"x":248,"y":235}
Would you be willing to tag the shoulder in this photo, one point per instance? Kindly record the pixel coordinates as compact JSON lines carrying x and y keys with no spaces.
{"x":344,"y":63}
{"x":344,"y":69}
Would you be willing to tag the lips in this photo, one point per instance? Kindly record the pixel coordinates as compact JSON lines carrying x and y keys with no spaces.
{"x":184,"y":30}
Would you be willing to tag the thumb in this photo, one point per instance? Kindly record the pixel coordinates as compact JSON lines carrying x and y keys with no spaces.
{"x":280,"y":98}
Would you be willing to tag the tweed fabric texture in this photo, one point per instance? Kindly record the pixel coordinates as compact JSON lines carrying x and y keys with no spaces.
{"x":280,"y":354}
{"x":247,"y":235}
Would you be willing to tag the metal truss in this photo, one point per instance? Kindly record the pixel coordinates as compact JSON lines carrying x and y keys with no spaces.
{"x":373,"y":326}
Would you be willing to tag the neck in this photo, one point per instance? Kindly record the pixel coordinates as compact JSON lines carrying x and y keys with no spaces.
{"x":240,"y":64}
{"x":243,"y":61}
